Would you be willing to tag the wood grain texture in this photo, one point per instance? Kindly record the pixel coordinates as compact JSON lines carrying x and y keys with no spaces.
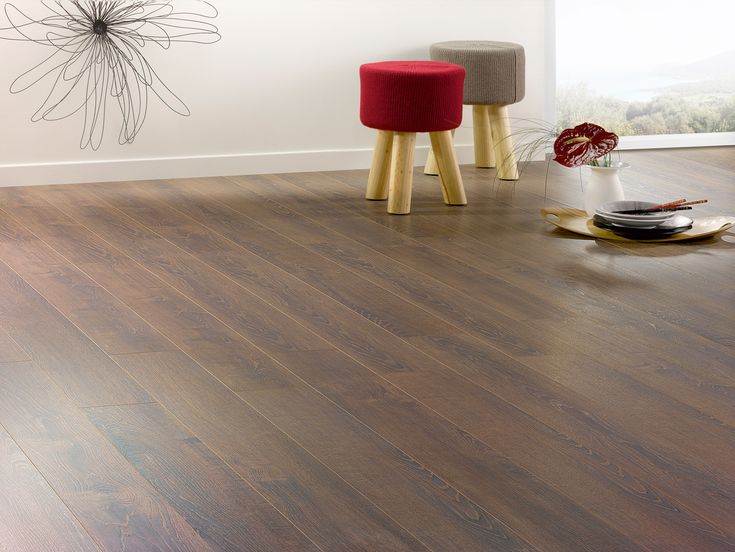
{"x":33,"y":516}
{"x":446,"y":393}
{"x":113,"y":327}
{"x":110,"y":499}
{"x":457,"y":351}
{"x":409,"y":492}
{"x":362,"y":340}
{"x":224,"y":510}
{"x":528,"y":281}
{"x":450,"y":177}
{"x":10,"y":351}
{"x":329,"y":511}
{"x":358,"y":526}
{"x":483,"y":138}
{"x":581,"y":278}
{"x":503,"y":142}
{"x":400,"y":182}
{"x":583,"y":281}
{"x":377,"y":186}
{"x":177,"y":269}
{"x":70,"y":358}
{"x":326,"y":375}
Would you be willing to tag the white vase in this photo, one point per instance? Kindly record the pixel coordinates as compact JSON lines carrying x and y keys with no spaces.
{"x":603,"y":186}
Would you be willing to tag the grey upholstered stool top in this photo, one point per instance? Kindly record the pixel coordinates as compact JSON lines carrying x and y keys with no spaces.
{"x":496,"y":71}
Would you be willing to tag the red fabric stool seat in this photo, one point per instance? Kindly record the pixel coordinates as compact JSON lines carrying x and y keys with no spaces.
{"x":411,"y":96}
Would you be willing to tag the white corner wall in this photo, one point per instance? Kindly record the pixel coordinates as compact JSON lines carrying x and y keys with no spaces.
{"x":279,"y":93}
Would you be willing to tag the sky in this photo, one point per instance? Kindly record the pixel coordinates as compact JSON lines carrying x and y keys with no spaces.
{"x":639,"y":37}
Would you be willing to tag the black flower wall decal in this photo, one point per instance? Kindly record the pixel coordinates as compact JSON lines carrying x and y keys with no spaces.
{"x":97,"y":62}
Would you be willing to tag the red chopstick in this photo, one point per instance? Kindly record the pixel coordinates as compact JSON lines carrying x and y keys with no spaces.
{"x":693,"y":202}
{"x":679,"y":205}
{"x":647,"y":211}
{"x":669,"y":204}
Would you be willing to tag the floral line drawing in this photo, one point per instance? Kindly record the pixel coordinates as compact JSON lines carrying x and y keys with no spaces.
{"x":97,"y":61}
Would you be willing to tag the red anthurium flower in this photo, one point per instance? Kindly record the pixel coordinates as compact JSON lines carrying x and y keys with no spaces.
{"x":582,"y":144}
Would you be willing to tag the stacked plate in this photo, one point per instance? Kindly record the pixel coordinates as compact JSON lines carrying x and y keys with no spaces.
{"x":613,"y":216}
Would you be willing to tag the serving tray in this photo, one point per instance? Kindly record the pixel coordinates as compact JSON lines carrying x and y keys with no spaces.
{"x":577,"y":221}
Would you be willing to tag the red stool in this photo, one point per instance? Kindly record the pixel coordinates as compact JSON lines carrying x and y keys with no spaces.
{"x":399,"y":99}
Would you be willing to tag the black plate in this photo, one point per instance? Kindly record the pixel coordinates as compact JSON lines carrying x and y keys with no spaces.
{"x":675,"y":225}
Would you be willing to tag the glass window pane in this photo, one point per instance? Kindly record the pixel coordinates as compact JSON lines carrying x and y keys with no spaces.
{"x":646,"y":68}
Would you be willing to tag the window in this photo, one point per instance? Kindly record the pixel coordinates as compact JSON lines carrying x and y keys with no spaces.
{"x":648,"y":69}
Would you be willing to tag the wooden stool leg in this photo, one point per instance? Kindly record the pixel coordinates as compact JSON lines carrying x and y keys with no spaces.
{"x":401,"y":173}
{"x":431,"y":168}
{"x":449,"y":175}
{"x":377,"y":187}
{"x":484,"y":150}
{"x":504,"y":154}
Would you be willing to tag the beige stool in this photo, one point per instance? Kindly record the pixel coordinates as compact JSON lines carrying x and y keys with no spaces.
{"x":496,"y":78}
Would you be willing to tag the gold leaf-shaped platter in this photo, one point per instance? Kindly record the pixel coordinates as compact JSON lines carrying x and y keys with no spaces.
{"x":577,"y":221}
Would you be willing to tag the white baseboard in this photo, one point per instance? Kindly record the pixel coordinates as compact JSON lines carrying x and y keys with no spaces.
{"x":192,"y":167}
{"x":678,"y":141}
{"x":271,"y":163}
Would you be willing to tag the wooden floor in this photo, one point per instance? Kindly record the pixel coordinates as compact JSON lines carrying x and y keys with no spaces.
{"x":272,"y":363}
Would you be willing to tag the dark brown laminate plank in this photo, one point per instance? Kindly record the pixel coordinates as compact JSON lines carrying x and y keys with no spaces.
{"x":644,"y":287}
{"x":518,"y":452}
{"x":32,"y":517}
{"x":494,"y":225}
{"x":576,"y":284}
{"x":685,"y":378}
{"x":656,"y":353}
{"x":173,"y":315}
{"x":642,"y":508}
{"x":226,"y":512}
{"x":565,"y":362}
{"x":705,"y":389}
{"x":191,"y":277}
{"x":330,"y":321}
{"x":582,"y":526}
{"x":493,"y":215}
{"x":633,"y":445}
{"x":346,"y":287}
{"x":598,"y":313}
{"x":386,"y":310}
{"x":450,"y":519}
{"x":706,"y":373}
{"x":574,"y":529}
{"x":10,"y":351}
{"x":233,"y":227}
{"x":115,"y":330}
{"x":110,"y":499}
{"x":232,"y":260}
{"x":141,"y":291}
{"x":328,"y":510}
{"x":670,"y":266}
{"x":439,"y":514}
{"x":85,"y":373}
{"x":281,"y":204}
{"x":722,"y":157}
{"x":259,"y":215}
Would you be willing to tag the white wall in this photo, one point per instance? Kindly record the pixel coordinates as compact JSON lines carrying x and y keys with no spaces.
{"x":279,"y":93}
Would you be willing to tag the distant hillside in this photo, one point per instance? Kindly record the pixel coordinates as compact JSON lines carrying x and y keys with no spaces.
{"x":702,"y":89}
{"x":705,"y":108}
{"x":716,"y":68}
